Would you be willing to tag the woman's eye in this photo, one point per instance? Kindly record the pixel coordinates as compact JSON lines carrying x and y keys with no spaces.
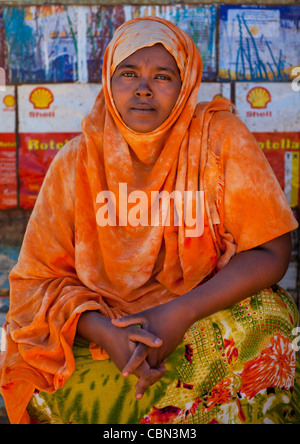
{"x":128,"y":74}
{"x":163,"y":77}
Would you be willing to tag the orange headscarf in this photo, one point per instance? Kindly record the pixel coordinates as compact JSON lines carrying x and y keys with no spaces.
{"x":70,"y":264}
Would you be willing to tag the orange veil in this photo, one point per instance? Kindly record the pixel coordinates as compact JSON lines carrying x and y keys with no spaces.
{"x":69,"y":263}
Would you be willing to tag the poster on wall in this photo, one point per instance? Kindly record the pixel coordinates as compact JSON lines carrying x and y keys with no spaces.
{"x":259,"y":42}
{"x":57,"y":43}
{"x":8,"y":162}
{"x":49,"y":116}
{"x":260,"y":107}
{"x":41,"y":42}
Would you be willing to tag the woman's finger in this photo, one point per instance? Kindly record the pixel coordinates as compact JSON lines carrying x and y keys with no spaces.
{"x":145,"y":337}
{"x":125,"y":321}
{"x":139,"y":355}
{"x":148,"y":377}
{"x":138,"y":334}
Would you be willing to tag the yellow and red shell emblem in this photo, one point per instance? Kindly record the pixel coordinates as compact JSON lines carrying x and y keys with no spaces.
{"x":41,"y":98}
{"x":9,"y":101}
{"x":258,"y":97}
{"x":217,"y":96}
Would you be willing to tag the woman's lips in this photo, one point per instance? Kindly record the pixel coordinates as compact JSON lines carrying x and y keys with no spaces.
{"x":142,"y":109}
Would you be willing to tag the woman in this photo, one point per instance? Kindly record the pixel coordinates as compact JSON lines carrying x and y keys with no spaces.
{"x":99,"y":290}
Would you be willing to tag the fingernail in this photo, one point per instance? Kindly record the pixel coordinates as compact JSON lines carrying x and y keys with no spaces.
{"x":157,"y":341}
{"x":139,"y":396}
{"x":125,"y":374}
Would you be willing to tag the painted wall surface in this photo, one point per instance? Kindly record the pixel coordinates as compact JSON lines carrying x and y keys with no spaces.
{"x":143,"y":2}
{"x":258,"y":43}
{"x":67,"y":43}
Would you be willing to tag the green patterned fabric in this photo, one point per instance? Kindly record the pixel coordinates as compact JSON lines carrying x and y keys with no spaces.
{"x":236,"y":366}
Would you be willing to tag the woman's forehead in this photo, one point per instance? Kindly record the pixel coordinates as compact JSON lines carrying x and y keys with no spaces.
{"x":156,"y":55}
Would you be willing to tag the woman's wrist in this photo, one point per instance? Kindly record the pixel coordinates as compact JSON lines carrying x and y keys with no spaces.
{"x":185,"y":311}
{"x":94,"y":327}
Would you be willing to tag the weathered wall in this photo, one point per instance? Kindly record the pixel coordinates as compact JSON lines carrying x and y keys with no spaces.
{"x":147,"y":2}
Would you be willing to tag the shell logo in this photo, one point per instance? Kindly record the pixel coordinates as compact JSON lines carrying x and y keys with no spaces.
{"x":253,"y":30}
{"x":258,"y":97}
{"x":9,"y":101}
{"x":41,"y":98}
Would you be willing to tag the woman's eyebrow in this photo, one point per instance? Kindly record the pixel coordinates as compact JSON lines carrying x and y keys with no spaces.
{"x":136,"y":67}
{"x":163,"y":68}
{"x":126,"y":66}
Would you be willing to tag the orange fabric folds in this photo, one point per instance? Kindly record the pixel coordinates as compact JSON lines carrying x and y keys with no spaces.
{"x":71,"y":262}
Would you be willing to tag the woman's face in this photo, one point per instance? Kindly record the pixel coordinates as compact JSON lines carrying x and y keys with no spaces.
{"x":145,"y":88}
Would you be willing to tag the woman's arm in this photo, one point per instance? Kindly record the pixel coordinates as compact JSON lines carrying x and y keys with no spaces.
{"x":247,"y":273}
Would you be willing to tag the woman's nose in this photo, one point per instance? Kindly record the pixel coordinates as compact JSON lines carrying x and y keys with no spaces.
{"x":143,"y":90}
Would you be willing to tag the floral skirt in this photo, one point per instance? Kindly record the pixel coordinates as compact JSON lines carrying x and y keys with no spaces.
{"x":238,"y":366}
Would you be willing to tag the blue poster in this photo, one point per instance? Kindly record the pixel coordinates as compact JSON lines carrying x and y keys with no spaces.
{"x":259,"y":43}
{"x":42,"y":44}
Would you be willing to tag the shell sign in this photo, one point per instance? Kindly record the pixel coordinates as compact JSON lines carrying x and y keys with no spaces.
{"x":41,"y":98}
{"x":258,"y":97}
{"x":9,"y":101}
{"x":261,"y":107}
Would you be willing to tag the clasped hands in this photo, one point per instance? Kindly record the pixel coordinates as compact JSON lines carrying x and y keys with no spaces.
{"x":143,"y":341}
